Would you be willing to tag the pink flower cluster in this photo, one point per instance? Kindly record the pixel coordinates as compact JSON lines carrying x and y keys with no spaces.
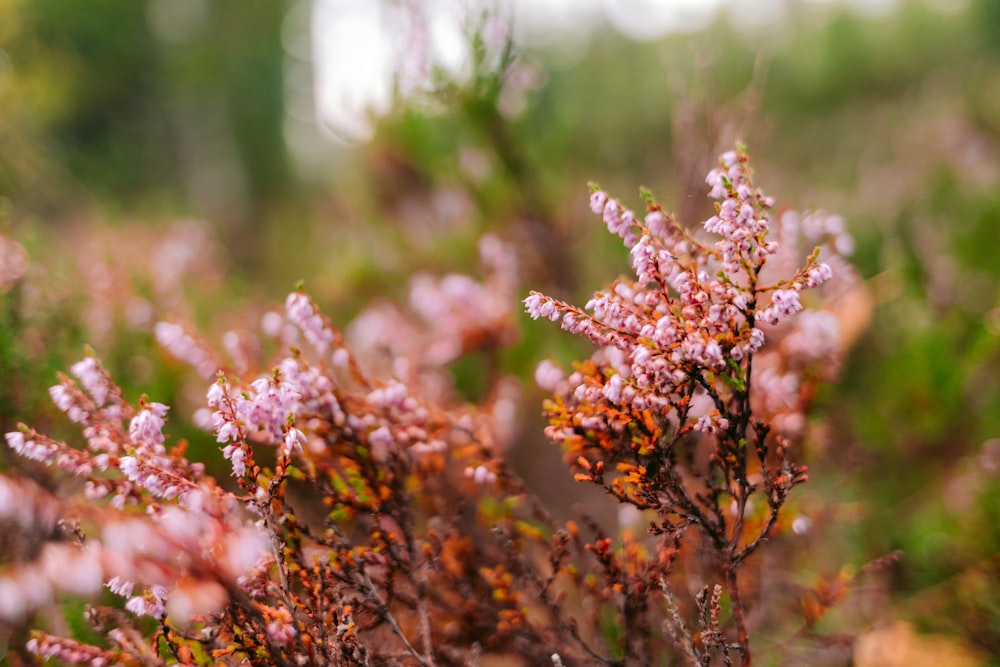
{"x":152,"y":552}
{"x":455,"y":314}
{"x":388,"y":418}
{"x":187,"y":348}
{"x":188,"y":522}
{"x":71,"y":652}
{"x":691,"y":308}
{"x":303,"y":313}
{"x":265,"y":412}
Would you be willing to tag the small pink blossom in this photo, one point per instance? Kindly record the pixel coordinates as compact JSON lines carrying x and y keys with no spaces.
{"x":294,"y":439}
{"x":801,"y":525}
{"x":149,"y":603}
{"x":271,"y":324}
{"x":381,"y":441}
{"x":656,"y":222}
{"x":301,"y":312}
{"x":548,"y":375}
{"x":120,"y":586}
{"x":716,"y":183}
{"x":216,"y":393}
{"x":129,"y":465}
{"x":94,"y":380}
{"x":613,"y":388}
{"x":755,"y":341}
{"x":136,"y":605}
{"x":532,"y":305}
{"x":13,"y":606}
{"x":281,"y":629}
{"x":393,"y":394}
{"x":227,"y":431}
{"x":711,"y":423}
{"x":341,"y":357}
{"x":243,"y":550}
{"x":481,"y":475}
{"x":784,"y":303}
{"x":65,"y":400}
{"x":597,"y":201}
{"x":146,"y":428}
{"x":236,"y":455}
{"x":194,"y":598}
{"x":815,"y":336}
{"x":185,"y":347}
{"x":31,"y":448}
{"x":818,"y":274}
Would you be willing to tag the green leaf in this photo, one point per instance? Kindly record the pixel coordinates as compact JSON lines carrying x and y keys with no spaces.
{"x":735,"y":380}
{"x":647,"y":196}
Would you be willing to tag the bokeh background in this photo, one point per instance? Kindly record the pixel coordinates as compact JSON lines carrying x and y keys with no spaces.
{"x":194,"y":159}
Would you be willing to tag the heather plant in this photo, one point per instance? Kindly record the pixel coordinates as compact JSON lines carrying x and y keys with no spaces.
{"x":370,"y":517}
{"x":670,"y":416}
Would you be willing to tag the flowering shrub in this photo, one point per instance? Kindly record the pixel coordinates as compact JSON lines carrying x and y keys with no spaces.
{"x":666,"y":417}
{"x":371,"y":518}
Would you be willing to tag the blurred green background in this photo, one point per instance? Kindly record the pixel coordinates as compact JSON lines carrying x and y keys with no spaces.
{"x":119,"y":118}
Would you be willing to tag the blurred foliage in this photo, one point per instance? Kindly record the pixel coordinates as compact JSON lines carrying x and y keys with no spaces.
{"x":893,"y":121}
{"x":132,"y":102}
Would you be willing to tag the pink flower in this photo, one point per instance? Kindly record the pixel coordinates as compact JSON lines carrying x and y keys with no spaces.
{"x":656,"y":222}
{"x":243,"y":550}
{"x":194,"y":598}
{"x":818,"y":274}
{"x":755,"y":342}
{"x":15,"y":440}
{"x":381,"y":440}
{"x":815,"y":336}
{"x":532,"y":304}
{"x":712,"y":423}
{"x":13,"y":606}
{"x":186,"y":348}
{"x":95,"y":382}
{"x":538,"y":306}
{"x":341,"y":357}
{"x":216,"y":393}
{"x":32,"y":449}
{"x":597,"y":201}
{"x":294,"y":439}
{"x":120,"y":586}
{"x":227,"y":431}
{"x":149,"y":603}
{"x":281,"y":629}
{"x":784,"y":303}
{"x":392,"y":394}
{"x":236,"y":455}
{"x":716,"y":183}
{"x":137,"y":606}
{"x":548,"y":375}
{"x":271,"y":324}
{"x":713,"y":355}
{"x":65,"y":400}
{"x":146,"y":428}
{"x":300,"y":311}
{"x":481,"y":475}
{"x":129,"y":465}
{"x":613,"y":389}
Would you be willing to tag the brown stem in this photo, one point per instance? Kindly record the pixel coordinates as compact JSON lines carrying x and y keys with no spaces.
{"x":742,"y":637}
